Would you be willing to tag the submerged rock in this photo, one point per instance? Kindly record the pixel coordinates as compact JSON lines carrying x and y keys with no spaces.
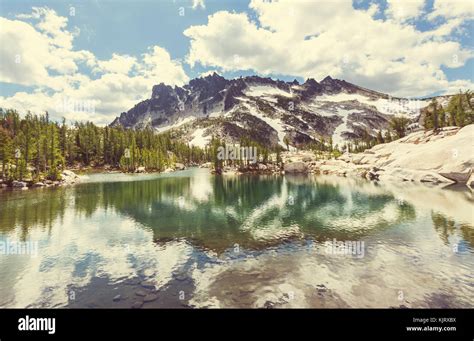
{"x":137,"y":305}
{"x":150,"y":298}
{"x":180,"y":276}
{"x":148,"y":285}
{"x":140,"y":293}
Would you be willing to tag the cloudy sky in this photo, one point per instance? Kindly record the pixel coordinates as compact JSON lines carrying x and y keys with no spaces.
{"x":92,"y":60}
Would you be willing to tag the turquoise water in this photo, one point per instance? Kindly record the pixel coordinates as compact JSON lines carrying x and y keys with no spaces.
{"x":191,"y":239}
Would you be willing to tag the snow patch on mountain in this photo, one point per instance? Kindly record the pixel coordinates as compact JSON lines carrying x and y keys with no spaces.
{"x":388,"y":106}
{"x":175,"y":125}
{"x":276,"y":124}
{"x":265,"y":90}
{"x":400,"y":106}
{"x":337,"y":137}
{"x":198,"y":138}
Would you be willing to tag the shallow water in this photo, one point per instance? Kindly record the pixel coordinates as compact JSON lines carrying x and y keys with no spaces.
{"x":191,"y":239}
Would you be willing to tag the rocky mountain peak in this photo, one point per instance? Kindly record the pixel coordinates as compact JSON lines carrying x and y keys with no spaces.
{"x":261,"y":108}
{"x":214,"y":81}
{"x":311,"y":82}
{"x":311,"y":88}
{"x":161,"y":90}
{"x":331,"y":85}
{"x":327,"y":80}
{"x":213,"y":75}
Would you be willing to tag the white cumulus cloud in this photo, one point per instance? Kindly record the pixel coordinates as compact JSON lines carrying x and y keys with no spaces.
{"x":402,"y":10}
{"x":38,"y":50}
{"x":317,"y":38}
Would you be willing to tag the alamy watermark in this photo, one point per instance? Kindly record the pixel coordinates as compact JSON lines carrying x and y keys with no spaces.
{"x":67,"y":104}
{"x":28,"y":323}
{"x":236,"y":152}
{"x":354,"y":248}
{"x":12,"y":247}
{"x":400,"y":106}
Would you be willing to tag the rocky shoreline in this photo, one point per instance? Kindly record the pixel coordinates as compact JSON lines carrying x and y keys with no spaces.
{"x":443,"y":157}
{"x":438,"y":158}
{"x":68,"y":178}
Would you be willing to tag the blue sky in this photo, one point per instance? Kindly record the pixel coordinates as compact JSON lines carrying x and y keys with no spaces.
{"x":408,"y":48}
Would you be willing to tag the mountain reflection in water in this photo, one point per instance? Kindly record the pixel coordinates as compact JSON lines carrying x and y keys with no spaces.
{"x":238,"y":241}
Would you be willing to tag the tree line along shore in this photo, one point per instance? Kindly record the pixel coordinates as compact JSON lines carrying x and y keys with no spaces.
{"x":36,"y":149}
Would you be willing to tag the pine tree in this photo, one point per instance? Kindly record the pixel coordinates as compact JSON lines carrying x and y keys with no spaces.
{"x":55,"y":158}
{"x":432,"y":117}
{"x":37,"y":154}
{"x":399,"y":125}
{"x":278,"y":157}
{"x":63,"y":138}
{"x":6,"y":150}
{"x":46,"y":145}
{"x":286,"y":141}
{"x":380,"y":137}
